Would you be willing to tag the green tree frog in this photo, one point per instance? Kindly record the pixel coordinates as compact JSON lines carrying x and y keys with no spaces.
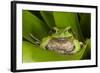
{"x":62,"y":41}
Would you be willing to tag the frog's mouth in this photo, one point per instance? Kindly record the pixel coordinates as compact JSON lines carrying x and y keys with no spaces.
{"x":61,"y":45}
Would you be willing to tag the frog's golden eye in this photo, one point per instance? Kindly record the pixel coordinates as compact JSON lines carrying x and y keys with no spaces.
{"x":52,"y":31}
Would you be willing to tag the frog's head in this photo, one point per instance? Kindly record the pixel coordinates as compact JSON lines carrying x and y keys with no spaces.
{"x":62,"y":33}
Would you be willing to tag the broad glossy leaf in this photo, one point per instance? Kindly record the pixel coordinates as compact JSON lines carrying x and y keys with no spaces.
{"x":38,"y":15}
{"x":33,"y":53}
{"x":65,"y":19}
{"x":48,"y":17}
{"x":87,"y":53}
{"x":33,"y":25}
{"x":85,"y":24}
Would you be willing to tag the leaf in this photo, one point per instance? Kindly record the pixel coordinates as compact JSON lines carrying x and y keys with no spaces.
{"x":33,"y":25}
{"x":38,"y":15}
{"x":48,"y":17}
{"x":85,"y":24}
{"x":32,"y":53}
{"x":87,"y":52}
{"x":66,"y":19}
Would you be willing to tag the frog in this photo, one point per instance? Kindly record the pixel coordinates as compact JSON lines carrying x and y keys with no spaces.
{"x":62,"y":41}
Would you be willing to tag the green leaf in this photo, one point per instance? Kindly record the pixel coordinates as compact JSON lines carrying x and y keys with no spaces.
{"x":48,"y":17}
{"x":85,"y":24}
{"x":87,"y":52}
{"x":66,"y":19}
{"x":32,"y":53}
{"x":33,"y":25}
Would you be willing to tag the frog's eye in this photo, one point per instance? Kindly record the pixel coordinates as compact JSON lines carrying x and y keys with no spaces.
{"x":54,"y":30}
{"x":68,"y":29}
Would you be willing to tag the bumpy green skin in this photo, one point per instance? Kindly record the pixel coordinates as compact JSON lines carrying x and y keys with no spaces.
{"x":61,"y":33}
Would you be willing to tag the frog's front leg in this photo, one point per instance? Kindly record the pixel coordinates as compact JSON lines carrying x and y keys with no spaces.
{"x":78,"y":46}
{"x":44,"y":42}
